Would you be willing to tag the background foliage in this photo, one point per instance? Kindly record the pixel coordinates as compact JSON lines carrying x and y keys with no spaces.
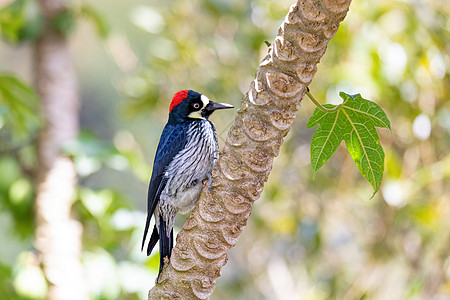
{"x":318,"y":239}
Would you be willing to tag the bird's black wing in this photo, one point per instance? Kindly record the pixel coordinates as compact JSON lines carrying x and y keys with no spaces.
{"x":173,"y":140}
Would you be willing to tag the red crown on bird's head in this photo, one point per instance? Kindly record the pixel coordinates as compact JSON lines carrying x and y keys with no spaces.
{"x":178,"y":98}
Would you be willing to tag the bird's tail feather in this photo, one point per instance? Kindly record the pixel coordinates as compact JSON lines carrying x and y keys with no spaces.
{"x":165,"y":244}
{"x":147,"y":224}
{"x":153,"y":240}
{"x":171,"y":242}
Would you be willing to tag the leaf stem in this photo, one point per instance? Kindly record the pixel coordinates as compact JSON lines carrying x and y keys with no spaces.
{"x":311,"y":97}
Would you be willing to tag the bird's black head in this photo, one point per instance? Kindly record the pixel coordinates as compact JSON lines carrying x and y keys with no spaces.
{"x":187,"y":105}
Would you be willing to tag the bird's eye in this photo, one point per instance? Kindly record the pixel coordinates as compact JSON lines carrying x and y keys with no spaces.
{"x":196,"y":105}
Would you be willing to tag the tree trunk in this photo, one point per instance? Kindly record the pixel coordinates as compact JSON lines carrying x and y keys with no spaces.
{"x":266,"y":114}
{"x":58,"y":235}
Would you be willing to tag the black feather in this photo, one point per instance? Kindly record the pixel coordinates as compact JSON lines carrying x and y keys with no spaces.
{"x":150,"y":211}
{"x":171,"y":243}
{"x":153,"y":240}
{"x":164,"y":245}
{"x":173,"y":140}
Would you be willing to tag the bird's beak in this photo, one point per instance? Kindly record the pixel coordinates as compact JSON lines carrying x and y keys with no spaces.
{"x":212,"y":106}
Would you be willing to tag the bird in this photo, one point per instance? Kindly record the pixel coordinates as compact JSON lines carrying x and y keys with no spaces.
{"x":185,"y":157}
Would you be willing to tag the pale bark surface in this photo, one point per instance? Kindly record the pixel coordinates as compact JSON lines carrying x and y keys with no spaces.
{"x":266,"y":114}
{"x":58,"y":235}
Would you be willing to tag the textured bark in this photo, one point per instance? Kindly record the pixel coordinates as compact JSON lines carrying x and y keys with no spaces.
{"x":58,"y":235}
{"x":266,"y":114}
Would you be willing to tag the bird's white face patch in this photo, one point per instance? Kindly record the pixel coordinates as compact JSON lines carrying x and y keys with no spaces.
{"x":196,"y":115}
{"x":205,"y":100}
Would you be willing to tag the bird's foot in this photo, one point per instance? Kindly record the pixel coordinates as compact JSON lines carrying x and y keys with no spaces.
{"x":209,"y":183}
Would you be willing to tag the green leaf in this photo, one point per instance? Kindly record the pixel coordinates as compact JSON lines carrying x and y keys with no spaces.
{"x":64,"y":21}
{"x":353,"y":121}
{"x":12,"y":20}
{"x":20,"y":21}
{"x":19,"y":106}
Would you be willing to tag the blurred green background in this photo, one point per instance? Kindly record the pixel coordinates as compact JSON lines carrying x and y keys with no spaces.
{"x":308,"y":239}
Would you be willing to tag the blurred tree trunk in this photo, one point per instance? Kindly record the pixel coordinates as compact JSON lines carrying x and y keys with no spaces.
{"x":58,"y":235}
{"x":266,"y":114}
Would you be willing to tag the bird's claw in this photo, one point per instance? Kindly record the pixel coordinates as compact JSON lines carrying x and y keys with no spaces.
{"x":209,"y":183}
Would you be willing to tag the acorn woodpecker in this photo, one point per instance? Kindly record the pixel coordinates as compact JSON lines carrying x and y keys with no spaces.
{"x":186,"y":154}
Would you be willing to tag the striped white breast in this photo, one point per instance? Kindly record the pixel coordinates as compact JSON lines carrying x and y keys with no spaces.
{"x":192,"y":164}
